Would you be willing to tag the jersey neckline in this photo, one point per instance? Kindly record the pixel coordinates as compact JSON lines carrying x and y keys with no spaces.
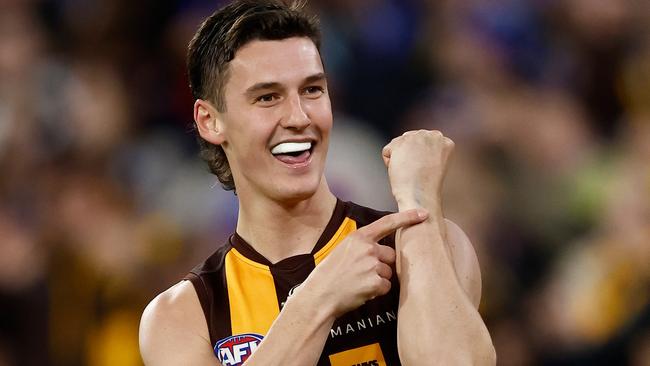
{"x":247,"y":250}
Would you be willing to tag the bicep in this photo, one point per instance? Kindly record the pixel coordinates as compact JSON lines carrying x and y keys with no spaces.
{"x":173,"y":330}
{"x":465,"y":262}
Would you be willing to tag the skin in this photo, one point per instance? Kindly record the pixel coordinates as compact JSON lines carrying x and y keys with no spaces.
{"x":433,"y":250}
{"x":277,"y":92}
{"x":292,"y":107}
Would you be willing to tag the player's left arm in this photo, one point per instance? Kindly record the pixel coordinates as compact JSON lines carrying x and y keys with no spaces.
{"x":465,"y":262}
{"x":438,"y":320}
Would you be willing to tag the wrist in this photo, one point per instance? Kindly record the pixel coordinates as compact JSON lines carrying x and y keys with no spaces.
{"x":312,"y":304}
{"x":414,"y":200}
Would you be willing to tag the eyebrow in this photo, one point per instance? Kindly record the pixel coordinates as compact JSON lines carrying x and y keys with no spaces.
{"x":275,"y":85}
{"x":316,"y":77}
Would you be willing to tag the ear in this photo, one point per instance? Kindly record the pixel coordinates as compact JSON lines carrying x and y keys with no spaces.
{"x":209,"y":122}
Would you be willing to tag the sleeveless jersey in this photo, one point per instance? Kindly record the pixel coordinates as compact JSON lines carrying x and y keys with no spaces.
{"x":242,"y":293}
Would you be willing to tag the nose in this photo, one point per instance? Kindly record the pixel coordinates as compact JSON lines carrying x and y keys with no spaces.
{"x":296,"y":116}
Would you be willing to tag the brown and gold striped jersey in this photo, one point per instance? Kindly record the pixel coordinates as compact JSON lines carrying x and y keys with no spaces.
{"x":242,"y":293}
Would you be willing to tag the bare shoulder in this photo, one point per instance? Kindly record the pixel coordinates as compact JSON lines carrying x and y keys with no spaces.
{"x":173,"y":329}
{"x":465,"y":262}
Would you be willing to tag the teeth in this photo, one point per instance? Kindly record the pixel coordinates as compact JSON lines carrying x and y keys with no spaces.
{"x":290,"y":147}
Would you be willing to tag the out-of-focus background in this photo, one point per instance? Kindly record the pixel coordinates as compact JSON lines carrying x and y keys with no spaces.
{"x":104,"y":202}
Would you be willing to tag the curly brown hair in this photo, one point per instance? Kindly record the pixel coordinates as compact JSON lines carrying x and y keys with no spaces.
{"x":215,"y":44}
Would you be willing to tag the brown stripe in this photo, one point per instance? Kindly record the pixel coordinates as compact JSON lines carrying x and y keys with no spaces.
{"x":286,"y":278}
{"x":209,"y":280}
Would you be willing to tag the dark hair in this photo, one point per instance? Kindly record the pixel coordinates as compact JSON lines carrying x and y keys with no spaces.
{"x":215,"y":44}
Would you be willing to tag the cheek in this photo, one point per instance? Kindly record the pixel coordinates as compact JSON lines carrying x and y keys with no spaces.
{"x":248,"y":141}
{"x":322,"y":116}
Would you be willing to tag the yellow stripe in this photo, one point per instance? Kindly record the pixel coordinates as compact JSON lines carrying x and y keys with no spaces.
{"x":251,"y":291}
{"x":347,"y":226}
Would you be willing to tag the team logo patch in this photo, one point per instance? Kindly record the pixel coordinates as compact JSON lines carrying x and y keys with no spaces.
{"x":234,"y":350}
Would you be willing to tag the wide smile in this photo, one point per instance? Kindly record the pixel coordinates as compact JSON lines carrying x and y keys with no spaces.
{"x":294,"y":154}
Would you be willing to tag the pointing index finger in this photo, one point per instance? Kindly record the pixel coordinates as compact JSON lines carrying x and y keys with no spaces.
{"x":389,"y":223}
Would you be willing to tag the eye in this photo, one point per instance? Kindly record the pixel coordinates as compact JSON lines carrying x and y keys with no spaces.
{"x":266,"y":99}
{"x":314,"y":91}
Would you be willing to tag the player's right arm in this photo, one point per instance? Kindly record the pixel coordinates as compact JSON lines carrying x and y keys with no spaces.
{"x":173,"y":330}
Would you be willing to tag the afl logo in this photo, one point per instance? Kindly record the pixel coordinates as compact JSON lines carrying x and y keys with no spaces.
{"x":234,"y":350}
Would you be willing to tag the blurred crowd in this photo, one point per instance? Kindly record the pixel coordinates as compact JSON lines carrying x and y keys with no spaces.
{"x":104,"y":202}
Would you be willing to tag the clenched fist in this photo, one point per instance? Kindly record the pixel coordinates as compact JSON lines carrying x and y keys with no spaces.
{"x":417,"y":163}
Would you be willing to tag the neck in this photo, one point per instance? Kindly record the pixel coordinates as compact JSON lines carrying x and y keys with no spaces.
{"x":278,"y":229}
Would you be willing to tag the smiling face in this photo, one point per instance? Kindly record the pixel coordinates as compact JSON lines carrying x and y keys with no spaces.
{"x":275,"y":129}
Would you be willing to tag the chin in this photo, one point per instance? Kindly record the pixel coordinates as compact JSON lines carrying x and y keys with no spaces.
{"x":296,"y":191}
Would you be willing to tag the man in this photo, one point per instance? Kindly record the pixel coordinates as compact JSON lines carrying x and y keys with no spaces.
{"x":308,"y":279}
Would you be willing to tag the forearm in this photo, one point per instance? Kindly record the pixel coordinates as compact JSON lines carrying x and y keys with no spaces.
{"x":357,"y":270}
{"x":437,"y":321}
{"x":297,"y":336}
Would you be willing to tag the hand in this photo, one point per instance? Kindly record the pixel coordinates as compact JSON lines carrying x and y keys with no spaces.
{"x":417,"y":163}
{"x":358,"y":269}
